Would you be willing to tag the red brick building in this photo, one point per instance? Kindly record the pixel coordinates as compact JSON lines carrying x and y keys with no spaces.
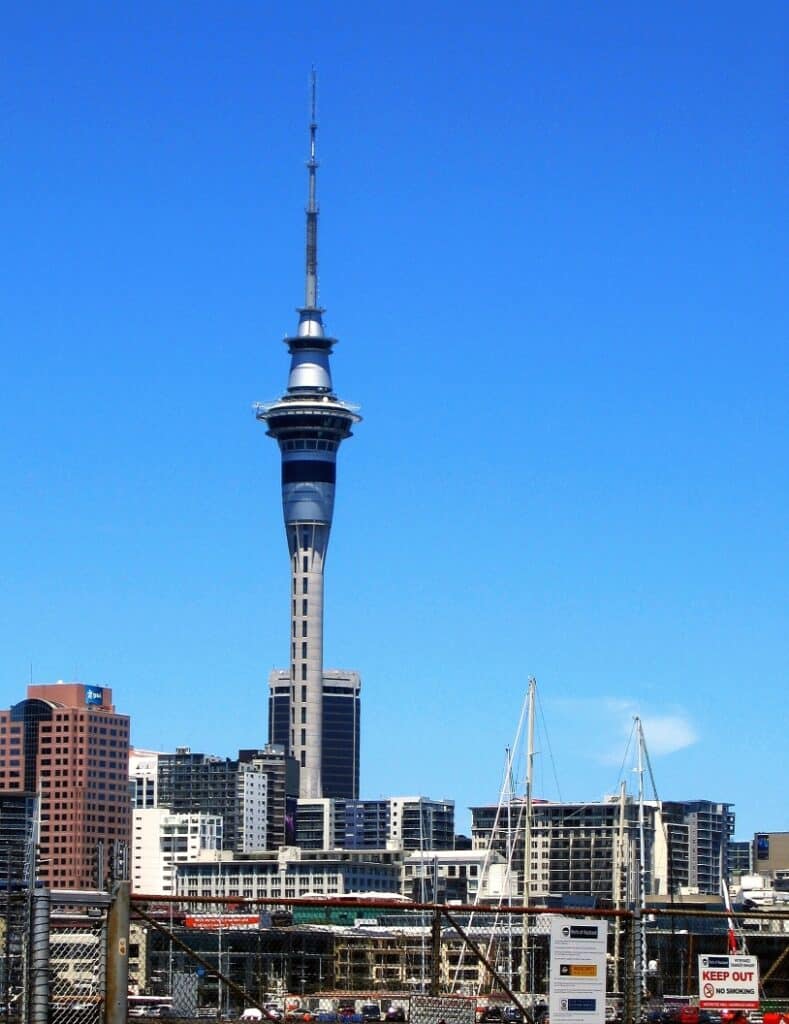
{"x":66,"y":743}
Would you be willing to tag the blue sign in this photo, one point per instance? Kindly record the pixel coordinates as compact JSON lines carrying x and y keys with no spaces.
{"x":94,"y":695}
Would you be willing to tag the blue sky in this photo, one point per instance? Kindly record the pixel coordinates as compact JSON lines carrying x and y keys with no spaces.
{"x":552,"y":246}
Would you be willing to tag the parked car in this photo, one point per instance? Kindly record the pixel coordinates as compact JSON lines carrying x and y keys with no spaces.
{"x":395,"y":1013}
{"x":512,"y":1015}
{"x":490,"y":1014}
{"x":370,"y":1011}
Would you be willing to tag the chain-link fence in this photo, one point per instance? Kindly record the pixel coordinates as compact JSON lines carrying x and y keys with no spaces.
{"x":307,"y":956}
{"x":451,"y":1009}
{"x":423,"y":962}
{"x":77,"y":958}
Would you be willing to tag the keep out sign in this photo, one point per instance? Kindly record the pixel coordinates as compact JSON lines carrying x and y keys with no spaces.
{"x":729,"y":982}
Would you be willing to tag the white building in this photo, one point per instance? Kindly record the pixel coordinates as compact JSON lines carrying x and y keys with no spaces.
{"x":161,"y":841}
{"x":253,"y":809}
{"x":465,"y":876}
{"x":144,"y":777}
{"x":292,"y":872}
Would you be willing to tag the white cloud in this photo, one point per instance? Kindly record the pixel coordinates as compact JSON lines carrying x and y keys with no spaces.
{"x":664,"y":734}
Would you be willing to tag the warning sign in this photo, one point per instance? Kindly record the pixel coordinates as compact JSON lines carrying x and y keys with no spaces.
{"x":729,"y":982}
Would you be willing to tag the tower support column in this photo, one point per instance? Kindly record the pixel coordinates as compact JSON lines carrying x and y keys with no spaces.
{"x":308,"y":544}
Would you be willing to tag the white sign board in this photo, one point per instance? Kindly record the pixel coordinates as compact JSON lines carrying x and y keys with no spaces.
{"x":729,"y":982}
{"x":576,"y":993}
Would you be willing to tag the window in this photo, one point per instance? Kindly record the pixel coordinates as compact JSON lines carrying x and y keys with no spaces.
{"x":304,"y":650}
{"x":305,"y":586}
{"x":304,"y":606}
{"x":304,"y":693}
{"x":303,"y":671}
{"x":305,"y":567}
{"x":303,"y":628}
{"x":303,"y":716}
{"x":303,"y":737}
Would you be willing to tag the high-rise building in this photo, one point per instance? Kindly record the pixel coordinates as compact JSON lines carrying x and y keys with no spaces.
{"x":698,"y":836}
{"x":282,"y":773}
{"x":233,"y":790}
{"x":17,"y":828}
{"x":594,"y":849}
{"x":391,"y":823}
{"x":589,"y":849}
{"x":309,"y":422}
{"x":66,"y":743}
{"x":339,"y":731}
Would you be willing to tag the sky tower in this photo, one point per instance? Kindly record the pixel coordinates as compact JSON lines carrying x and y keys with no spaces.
{"x":308,"y":422}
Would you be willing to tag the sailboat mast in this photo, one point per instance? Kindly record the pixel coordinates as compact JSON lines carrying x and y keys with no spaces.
{"x":524,"y":978}
{"x":640,"y":966}
{"x":619,"y":859}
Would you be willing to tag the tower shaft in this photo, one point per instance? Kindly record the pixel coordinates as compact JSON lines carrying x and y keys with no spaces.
{"x":306,"y":668}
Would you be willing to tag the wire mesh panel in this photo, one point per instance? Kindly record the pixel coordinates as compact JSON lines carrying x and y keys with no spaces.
{"x":451,"y":1009}
{"x":77,"y":961}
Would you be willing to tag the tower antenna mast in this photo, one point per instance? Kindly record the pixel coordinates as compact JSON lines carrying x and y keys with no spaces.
{"x":311,"y":284}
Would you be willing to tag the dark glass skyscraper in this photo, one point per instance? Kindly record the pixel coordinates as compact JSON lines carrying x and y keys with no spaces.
{"x":340,"y":727}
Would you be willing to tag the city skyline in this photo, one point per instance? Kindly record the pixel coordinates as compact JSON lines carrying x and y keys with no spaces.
{"x":557,"y":281}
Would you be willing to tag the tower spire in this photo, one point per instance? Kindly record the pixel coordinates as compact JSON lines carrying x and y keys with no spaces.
{"x":311,"y":277}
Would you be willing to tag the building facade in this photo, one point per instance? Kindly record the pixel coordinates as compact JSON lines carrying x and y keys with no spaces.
{"x":341,"y":713}
{"x":770,"y":852}
{"x":461,"y":876}
{"x":18,"y":812}
{"x":162,"y":841}
{"x":309,"y":422}
{"x":292,"y":872}
{"x":144,"y":777}
{"x":396,"y":823}
{"x":231,"y":789}
{"x":282,"y":774}
{"x":699,"y":833}
{"x":589,"y":849}
{"x":67,"y":743}
{"x":593,"y":849}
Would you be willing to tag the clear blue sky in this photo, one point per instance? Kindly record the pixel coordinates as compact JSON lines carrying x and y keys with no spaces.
{"x":552,"y":246}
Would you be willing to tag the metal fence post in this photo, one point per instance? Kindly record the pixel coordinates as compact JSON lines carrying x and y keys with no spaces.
{"x":628,"y":973}
{"x":435,"y":966}
{"x":117,"y":988}
{"x":39,"y":958}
